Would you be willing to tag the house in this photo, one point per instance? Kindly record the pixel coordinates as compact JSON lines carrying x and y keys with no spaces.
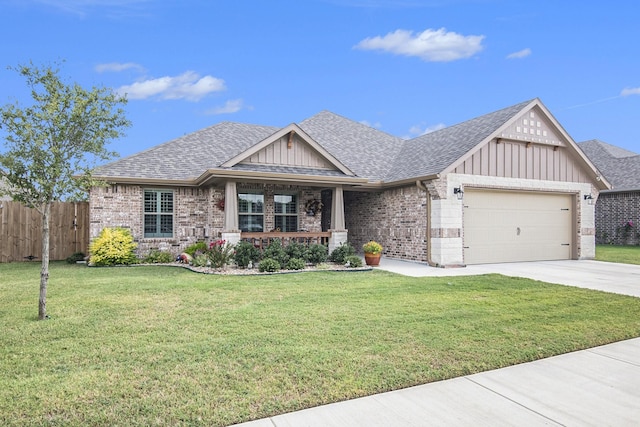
{"x":617,"y":209}
{"x":507,"y":186}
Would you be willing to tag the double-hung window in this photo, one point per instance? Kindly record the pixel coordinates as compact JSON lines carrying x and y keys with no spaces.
{"x":158,"y":213}
{"x":251,"y":212}
{"x":286,"y":212}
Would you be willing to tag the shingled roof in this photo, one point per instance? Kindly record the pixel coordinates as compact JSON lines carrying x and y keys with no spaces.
{"x":363,"y":149}
{"x":619,"y":166}
{"x":367,"y":152}
{"x":189,"y":156}
{"x":432,"y":153}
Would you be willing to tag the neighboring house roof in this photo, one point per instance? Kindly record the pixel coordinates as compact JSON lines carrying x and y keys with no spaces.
{"x":3,"y":185}
{"x":621,"y":167}
{"x":344,"y":151}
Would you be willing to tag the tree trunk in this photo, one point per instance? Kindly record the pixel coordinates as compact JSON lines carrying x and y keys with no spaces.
{"x":44,"y":272}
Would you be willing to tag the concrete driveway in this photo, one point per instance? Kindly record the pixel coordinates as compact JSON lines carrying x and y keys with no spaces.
{"x":603,"y":276}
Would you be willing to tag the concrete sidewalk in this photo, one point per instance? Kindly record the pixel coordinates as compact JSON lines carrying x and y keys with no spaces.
{"x":594,"y":387}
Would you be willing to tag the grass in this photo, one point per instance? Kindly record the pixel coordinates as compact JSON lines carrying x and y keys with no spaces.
{"x":164,"y":346}
{"x":622,"y":254}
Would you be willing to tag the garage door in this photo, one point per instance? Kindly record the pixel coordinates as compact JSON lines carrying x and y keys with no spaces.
{"x":505,"y":226}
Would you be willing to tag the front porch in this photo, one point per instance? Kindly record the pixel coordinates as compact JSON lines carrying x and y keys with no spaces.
{"x":262,"y":240}
{"x":263,"y":211}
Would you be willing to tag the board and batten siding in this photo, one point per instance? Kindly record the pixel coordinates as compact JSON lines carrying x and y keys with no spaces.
{"x":297,"y":154}
{"x":515,"y":159}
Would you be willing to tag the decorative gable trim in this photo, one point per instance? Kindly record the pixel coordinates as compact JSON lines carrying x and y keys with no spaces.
{"x":289,"y":137}
{"x":544,"y":136}
{"x":533,"y":126}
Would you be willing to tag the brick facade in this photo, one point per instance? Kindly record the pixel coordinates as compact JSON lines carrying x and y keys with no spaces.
{"x":613,"y":212}
{"x":395,"y":218}
{"x":198,"y":215}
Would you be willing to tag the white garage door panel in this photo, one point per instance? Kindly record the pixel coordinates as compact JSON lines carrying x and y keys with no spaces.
{"x":501,"y":226}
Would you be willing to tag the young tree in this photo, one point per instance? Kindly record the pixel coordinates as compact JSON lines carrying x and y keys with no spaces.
{"x":51,"y":144}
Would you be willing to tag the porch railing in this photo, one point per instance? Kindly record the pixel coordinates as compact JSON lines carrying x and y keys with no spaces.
{"x":262,"y":240}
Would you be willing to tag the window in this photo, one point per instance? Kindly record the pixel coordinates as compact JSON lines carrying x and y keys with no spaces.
{"x":158,"y":213}
{"x":286,"y":212}
{"x":251,"y":212}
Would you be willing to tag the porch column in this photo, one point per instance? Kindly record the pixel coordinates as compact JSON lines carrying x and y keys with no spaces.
{"x":231,"y":232}
{"x":337,"y":209}
{"x":338,"y":229}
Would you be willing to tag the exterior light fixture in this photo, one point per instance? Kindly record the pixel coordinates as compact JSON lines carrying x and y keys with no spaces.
{"x":458,"y":192}
{"x":588,"y":198}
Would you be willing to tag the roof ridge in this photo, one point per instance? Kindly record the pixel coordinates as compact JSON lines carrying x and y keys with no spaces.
{"x":350,"y":120}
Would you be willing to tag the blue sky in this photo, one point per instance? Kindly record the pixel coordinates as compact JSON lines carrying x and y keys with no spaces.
{"x":405,"y":67}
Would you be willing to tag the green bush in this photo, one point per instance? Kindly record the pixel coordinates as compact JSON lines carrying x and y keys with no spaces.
{"x":296,"y":264}
{"x":317,"y":254}
{"x":269,"y":265}
{"x":276,"y":252}
{"x":296,"y":250}
{"x":200,"y":260}
{"x":114,"y":246}
{"x":245,"y":253}
{"x":156,"y":256}
{"x":353,"y":261}
{"x":75,"y":257}
{"x":340,"y":254}
{"x":200,"y":247}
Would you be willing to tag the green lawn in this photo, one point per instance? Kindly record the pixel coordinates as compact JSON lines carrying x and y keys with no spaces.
{"x":623,"y":254}
{"x":165,"y":346}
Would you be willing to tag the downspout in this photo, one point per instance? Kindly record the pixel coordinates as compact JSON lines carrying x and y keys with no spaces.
{"x":422,"y":187}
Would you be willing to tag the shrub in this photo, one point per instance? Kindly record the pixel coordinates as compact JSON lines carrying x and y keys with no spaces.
{"x":200,"y":260}
{"x":200,"y":247}
{"x":220,"y":253}
{"x":276,"y":252}
{"x":317,"y":254}
{"x":340,"y":254}
{"x":156,"y":256}
{"x":114,"y":246}
{"x":296,"y":250}
{"x":269,"y":265}
{"x":296,"y":264}
{"x":75,"y":257}
{"x":353,"y":261}
{"x":245,"y":253}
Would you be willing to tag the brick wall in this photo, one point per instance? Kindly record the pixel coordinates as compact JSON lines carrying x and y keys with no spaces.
{"x":396,"y":218}
{"x":613,"y":211}
{"x":197,"y":213}
{"x":196,"y":217}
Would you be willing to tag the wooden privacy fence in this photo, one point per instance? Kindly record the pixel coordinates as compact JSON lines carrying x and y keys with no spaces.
{"x":21,"y":231}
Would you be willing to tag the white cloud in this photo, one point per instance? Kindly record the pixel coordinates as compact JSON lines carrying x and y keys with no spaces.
{"x":630,"y":91}
{"x":230,"y":107}
{"x":188,"y":85}
{"x":376,"y":125}
{"x":419,"y":130}
{"x":519,"y":54}
{"x":430,"y":45}
{"x":118,"y":67}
